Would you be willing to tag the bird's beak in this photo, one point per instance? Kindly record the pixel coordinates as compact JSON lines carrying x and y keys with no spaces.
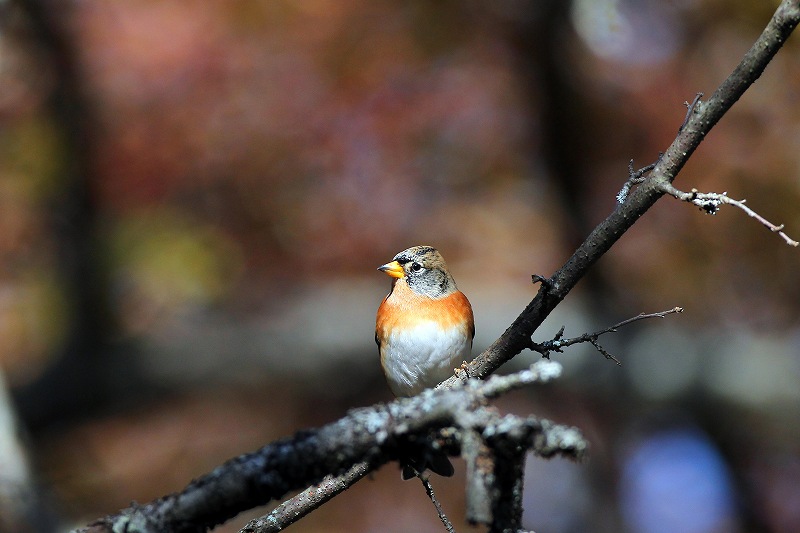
{"x":393,"y":269}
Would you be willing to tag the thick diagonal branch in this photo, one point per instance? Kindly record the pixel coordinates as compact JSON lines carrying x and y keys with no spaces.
{"x":703,"y":118}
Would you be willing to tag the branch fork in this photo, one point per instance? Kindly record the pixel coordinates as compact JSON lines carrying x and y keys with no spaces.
{"x":636,"y":177}
{"x":710,"y":203}
{"x":558,"y":342}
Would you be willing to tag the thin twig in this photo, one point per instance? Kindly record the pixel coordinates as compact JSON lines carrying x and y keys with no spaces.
{"x":557,"y":344}
{"x":634,"y":178}
{"x":643,"y":316}
{"x":690,"y":107}
{"x":710,"y":203}
{"x":541,"y":371}
{"x":429,"y":490}
{"x":306,"y":501}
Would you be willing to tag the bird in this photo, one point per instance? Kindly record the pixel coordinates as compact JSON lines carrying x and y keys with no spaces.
{"x":424,"y":329}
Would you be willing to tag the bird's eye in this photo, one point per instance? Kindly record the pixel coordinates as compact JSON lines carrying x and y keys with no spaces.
{"x":416,"y":267}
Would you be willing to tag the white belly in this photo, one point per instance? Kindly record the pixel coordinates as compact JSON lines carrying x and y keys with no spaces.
{"x":423,"y":357}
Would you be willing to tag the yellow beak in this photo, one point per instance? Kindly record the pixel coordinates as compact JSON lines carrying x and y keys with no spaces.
{"x":393,"y":269}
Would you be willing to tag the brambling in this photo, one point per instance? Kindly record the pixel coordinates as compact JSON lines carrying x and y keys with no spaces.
{"x":424,"y":330}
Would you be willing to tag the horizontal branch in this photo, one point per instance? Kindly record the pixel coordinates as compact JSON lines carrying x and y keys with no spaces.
{"x":373,"y":435}
{"x":710,"y":203}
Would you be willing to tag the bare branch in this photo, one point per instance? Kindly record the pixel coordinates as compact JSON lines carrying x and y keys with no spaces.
{"x":643,"y":316}
{"x":479,"y":470}
{"x":495,"y":386}
{"x":306,"y":501}
{"x":635,"y":177}
{"x":316,"y":495}
{"x":689,"y":110}
{"x":711,"y":201}
{"x":374,"y":435}
{"x":507,"y":444}
{"x":558,"y":343}
{"x":703,"y":117}
{"x":439,"y":511}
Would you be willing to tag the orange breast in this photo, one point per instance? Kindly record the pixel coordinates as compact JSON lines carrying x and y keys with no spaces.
{"x":403,"y":308}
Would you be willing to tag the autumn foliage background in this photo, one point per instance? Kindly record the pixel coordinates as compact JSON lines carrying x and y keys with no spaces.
{"x":247,"y":165}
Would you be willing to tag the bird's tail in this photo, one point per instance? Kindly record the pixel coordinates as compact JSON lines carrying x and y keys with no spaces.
{"x":427,"y":459}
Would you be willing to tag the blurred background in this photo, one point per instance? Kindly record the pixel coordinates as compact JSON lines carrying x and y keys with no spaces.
{"x":194,"y":197}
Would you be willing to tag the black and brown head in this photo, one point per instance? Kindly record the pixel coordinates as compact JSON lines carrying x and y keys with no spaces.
{"x":424,"y":269}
